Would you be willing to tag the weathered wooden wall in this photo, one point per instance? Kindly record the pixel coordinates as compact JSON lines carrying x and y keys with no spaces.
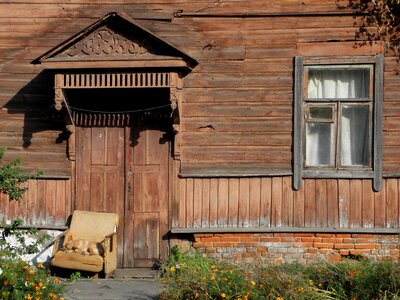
{"x":46,"y":203}
{"x":237,"y":108}
{"x":271,"y":203}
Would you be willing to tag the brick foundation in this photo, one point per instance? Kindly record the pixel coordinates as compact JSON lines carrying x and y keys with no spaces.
{"x":300,"y":247}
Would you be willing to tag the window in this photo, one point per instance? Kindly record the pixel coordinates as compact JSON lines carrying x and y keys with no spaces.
{"x":337,"y":131}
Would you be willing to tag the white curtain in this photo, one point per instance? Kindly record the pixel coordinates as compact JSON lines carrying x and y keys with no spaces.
{"x":340,"y":84}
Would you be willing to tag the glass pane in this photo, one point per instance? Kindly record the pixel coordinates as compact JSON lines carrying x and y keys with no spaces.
{"x":355,"y":141}
{"x":338,"y":83}
{"x":320,"y":112}
{"x":319,"y":144}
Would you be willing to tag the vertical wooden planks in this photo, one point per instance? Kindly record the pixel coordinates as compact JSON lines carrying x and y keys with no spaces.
{"x":213,"y":202}
{"x":197,"y":202}
{"x":321,"y":203}
{"x":392,"y":198}
{"x":298,"y":211}
{"x":265,"y":202}
{"x":205,"y":208}
{"x":233,"y":209}
{"x":379,"y":199}
{"x":189,"y":202}
{"x":287,"y":202}
{"x":368,"y":208}
{"x":244,"y":202}
{"x":276,"y":207}
{"x":355,"y":203}
{"x":344,"y":202}
{"x":223,"y":202}
{"x":182,"y":203}
{"x":309,"y":203}
{"x":332,"y":199}
{"x":254,"y":202}
{"x":60,"y":202}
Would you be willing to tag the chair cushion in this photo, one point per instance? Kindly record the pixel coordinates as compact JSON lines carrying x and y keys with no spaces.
{"x":78,"y":261}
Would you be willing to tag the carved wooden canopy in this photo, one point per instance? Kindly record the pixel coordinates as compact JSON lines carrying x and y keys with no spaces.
{"x":116,"y":52}
{"x":115,"y":41}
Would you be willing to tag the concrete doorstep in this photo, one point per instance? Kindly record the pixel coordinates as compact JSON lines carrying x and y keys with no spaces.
{"x":126,"y":284}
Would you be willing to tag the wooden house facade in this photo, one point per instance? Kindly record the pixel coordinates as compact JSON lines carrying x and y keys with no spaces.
{"x":244,"y":128}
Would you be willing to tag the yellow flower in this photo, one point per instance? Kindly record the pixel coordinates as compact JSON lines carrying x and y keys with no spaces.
{"x":223,"y":295}
{"x":31,"y":272}
{"x":28,"y":297}
{"x":172,"y":269}
{"x":40,"y":266}
{"x":279,"y":298}
{"x":61,"y":298}
{"x":253,"y":283}
{"x":56,"y":280}
{"x":212,"y":266}
{"x":24,"y":268}
{"x":212,"y":276}
{"x":231,"y":271}
{"x":197,"y":295}
{"x":310,"y":282}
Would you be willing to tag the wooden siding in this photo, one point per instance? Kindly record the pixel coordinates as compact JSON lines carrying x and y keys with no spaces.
{"x":46,"y":203}
{"x":270,"y":202}
{"x":237,"y":108}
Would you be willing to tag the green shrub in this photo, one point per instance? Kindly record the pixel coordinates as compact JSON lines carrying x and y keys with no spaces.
{"x":12,"y":177}
{"x":189,"y":275}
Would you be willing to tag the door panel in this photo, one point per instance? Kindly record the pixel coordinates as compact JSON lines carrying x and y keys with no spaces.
{"x":100,"y":177}
{"x":147,"y":198}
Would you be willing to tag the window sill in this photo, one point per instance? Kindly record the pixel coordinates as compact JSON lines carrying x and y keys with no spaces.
{"x":337,"y":174}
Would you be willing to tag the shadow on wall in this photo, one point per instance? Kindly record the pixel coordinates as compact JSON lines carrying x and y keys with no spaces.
{"x":35,"y":102}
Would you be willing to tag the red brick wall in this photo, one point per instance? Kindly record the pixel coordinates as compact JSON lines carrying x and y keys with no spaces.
{"x":301,"y":247}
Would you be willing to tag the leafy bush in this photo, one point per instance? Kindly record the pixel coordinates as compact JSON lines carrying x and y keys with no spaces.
{"x":12,"y":176}
{"x":189,"y":275}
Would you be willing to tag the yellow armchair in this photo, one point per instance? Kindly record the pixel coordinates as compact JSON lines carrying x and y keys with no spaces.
{"x":90,"y":243}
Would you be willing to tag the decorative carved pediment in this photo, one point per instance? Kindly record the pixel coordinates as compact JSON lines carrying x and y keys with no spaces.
{"x":115,"y":41}
{"x":104,"y":42}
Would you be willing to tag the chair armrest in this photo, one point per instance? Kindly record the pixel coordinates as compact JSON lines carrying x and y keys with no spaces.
{"x":57,"y":241}
{"x":109,"y":242}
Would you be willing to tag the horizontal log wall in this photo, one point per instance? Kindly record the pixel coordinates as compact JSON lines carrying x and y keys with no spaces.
{"x":272,"y":203}
{"x":46,"y":203}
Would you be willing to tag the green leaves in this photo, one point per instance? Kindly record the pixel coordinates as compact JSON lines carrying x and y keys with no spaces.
{"x":12,"y":177}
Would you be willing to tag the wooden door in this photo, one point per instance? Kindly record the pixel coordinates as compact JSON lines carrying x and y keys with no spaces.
{"x":100,"y":172}
{"x":124,"y":169}
{"x":146,"y":223}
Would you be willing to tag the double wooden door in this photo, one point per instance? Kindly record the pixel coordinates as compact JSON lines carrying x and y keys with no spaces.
{"x":124,"y":169}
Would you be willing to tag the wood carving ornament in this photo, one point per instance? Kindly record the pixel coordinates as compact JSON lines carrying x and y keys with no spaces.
{"x":104,"y":41}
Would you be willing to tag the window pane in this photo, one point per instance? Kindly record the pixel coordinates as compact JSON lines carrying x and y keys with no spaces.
{"x":355,"y":139}
{"x":320,"y":112}
{"x":319,"y":144}
{"x":338,"y":83}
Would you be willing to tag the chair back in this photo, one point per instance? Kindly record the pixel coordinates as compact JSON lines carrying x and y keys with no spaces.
{"x":92,"y":226}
